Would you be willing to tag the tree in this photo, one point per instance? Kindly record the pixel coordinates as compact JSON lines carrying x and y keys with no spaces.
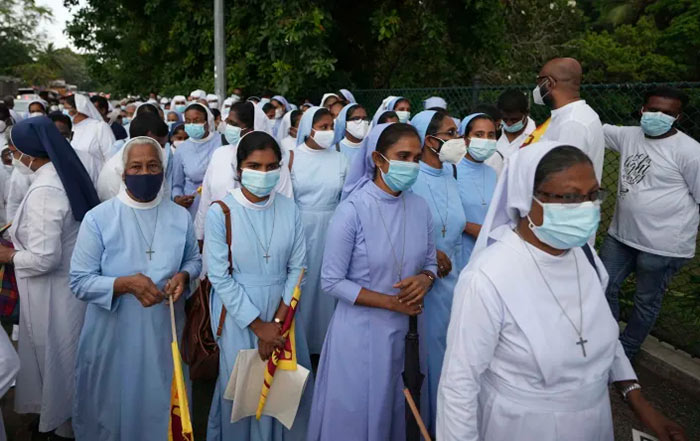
{"x":19,"y":39}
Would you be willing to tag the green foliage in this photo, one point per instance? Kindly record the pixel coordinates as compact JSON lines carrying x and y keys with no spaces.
{"x":19,"y":40}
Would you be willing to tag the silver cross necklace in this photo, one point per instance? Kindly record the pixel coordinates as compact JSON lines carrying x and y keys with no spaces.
{"x":149,"y":250}
{"x":266,"y":256}
{"x":398,"y":264}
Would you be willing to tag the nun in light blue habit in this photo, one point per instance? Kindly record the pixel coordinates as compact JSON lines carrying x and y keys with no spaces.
{"x":318,"y":174}
{"x":436,"y":184}
{"x":377,"y":237}
{"x":124,"y":364}
{"x":477,"y":182}
{"x":351,"y":127}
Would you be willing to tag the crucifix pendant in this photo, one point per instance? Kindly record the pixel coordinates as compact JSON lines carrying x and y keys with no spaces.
{"x":582,"y":342}
{"x":267,"y":257}
{"x":444,"y":230}
{"x":149,"y":252}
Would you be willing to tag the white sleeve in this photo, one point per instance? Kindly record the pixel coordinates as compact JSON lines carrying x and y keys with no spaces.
{"x":106,"y":140}
{"x":205,"y":200}
{"x":472,"y":337}
{"x":613,"y":135}
{"x":19,"y":184}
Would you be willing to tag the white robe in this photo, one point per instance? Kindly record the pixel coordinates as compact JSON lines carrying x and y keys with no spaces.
{"x":9,"y":365}
{"x":220,"y":178}
{"x":44,"y":233}
{"x":513,"y":365}
{"x":96,"y":138}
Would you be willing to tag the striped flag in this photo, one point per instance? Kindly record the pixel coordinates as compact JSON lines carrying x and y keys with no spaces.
{"x":286,"y":358}
{"x":537,"y":133}
{"x":180,"y":425}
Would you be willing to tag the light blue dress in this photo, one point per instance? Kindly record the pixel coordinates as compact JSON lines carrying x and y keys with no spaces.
{"x":124,"y":365}
{"x":439,"y":189}
{"x":477,"y":181}
{"x":189,"y":166}
{"x":255,"y":290}
{"x":350,"y":151}
{"x":358,"y":394}
{"x":317,"y":178}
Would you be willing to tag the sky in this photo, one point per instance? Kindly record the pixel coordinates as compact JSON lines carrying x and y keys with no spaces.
{"x":54,"y":30}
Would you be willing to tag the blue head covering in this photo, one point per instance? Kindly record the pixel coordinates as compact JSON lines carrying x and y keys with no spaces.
{"x":467,"y":119}
{"x":40,"y":138}
{"x":421,"y":122}
{"x":282,"y":100}
{"x":348,"y":95}
{"x":341,"y":122}
{"x":179,"y":116}
{"x":173,"y":128}
{"x":362,"y":167}
{"x":377,"y":116}
{"x":306,"y":124}
{"x":391,"y":104}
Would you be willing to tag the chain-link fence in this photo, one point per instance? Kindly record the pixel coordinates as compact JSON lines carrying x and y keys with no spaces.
{"x":617,"y":104}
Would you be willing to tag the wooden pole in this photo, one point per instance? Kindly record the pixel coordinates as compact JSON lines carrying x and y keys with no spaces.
{"x":416,"y":414}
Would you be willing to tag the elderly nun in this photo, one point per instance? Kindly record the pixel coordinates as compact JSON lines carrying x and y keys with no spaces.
{"x":268,"y":254}
{"x":379,"y":262}
{"x":43,"y":232}
{"x":532,"y":345}
{"x":192,"y":157}
{"x":219,"y":179}
{"x":318,"y":175}
{"x":132,"y":253}
{"x":442,"y":149}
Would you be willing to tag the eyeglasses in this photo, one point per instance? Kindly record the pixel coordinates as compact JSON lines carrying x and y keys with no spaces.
{"x":574,"y":198}
{"x":452,"y":132}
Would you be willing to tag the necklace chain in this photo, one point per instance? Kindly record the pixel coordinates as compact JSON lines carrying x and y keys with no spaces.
{"x":579,"y":329}
{"x":447,"y":206}
{"x":149,"y":251}
{"x":269,"y":242}
{"x":399,"y":265}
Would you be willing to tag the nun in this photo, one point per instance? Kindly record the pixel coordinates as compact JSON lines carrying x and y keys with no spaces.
{"x":328,"y":100}
{"x":435,"y":103}
{"x":384,"y":117}
{"x":318,"y":175}
{"x":268,"y":253}
{"x":43,"y":232}
{"x":91,"y":133}
{"x":349,"y":97}
{"x":286,"y":134}
{"x":132,"y":253}
{"x":243,"y":118}
{"x":351,"y":127}
{"x":398,"y":104}
{"x":179,"y":104}
{"x":191,"y":159}
{"x":37,"y":107}
{"x":475,"y":179}
{"x":532,"y":345}
{"x":379,"y":263}
{"x":281,"y":108}
{"x":442,"y":149}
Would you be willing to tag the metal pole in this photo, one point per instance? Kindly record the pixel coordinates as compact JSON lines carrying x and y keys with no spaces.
{"x":219,"y":52}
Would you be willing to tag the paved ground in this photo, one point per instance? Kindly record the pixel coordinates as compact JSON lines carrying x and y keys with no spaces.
{"x":670,"y":398}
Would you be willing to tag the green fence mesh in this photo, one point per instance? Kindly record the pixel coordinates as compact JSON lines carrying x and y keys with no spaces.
{"x":616,"y":104}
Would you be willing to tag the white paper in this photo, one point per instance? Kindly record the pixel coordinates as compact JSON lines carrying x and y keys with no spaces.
{"x":246,"y":382}
{"x":641,"y":436}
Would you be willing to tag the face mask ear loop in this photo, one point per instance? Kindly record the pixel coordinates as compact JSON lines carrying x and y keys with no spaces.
{"x":531,"y":224}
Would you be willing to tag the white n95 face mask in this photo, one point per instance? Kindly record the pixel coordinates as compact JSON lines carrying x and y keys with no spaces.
{"x":324,"y":138}
{"x":358,"y":128}
{"x":404,"y":115}
{"x":452,"y":151}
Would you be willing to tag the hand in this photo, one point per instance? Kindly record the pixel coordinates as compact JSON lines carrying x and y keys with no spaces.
{"x":664,"y":428}
{"x":140,"y":287}
{"x":444,"y":264}
{"x":404,"y":308}
{"x":413,"y":289}
{"x":176,"y":286}
{"x":265,"y":350}
{"x":269,"y":333}
{"x":185,"y":200}
{"x":6,"y":254}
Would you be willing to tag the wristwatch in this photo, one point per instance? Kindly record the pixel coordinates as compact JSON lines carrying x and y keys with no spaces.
{"x":278,"y":321}
{"x":430,"y":276}
{"x":630,"y":388}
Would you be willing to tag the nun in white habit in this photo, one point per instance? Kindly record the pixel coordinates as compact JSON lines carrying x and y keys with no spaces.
{"x":91,"y":133}
{"x":532,"y":345}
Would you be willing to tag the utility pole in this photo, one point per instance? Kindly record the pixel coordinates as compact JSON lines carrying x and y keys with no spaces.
{"x":219,"y":51}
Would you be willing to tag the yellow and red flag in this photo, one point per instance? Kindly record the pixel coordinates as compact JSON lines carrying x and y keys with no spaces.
{"x":180,"y":424}
{"x":537,"y":133}
{"x":286,"y":358}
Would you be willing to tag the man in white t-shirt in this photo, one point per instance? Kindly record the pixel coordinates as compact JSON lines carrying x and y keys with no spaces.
{"x":517,"y":126}
{"x":573,"y":122}
{"x":655,"y":225}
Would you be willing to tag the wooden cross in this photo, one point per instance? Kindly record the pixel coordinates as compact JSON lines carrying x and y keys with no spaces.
{"x":582,"y":342}
{"x":149,"y":252}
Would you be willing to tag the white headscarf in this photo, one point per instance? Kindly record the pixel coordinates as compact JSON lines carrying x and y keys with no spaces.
{"x":85,"y":106}
{"x":512,"y":197}
{"x":261,"y":121}
{"x":283,"y":129}
{"x":325,"y":96}
{"x":41,"y":102}
{"x":123,"y":195}
{"x":215,"y":104}
{"x":211,"y":127}
{"x":199,"y":93}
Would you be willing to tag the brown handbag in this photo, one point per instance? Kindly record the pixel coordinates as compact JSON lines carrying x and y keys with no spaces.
{"x":200,"y":350}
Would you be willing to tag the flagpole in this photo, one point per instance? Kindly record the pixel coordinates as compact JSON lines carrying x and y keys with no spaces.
{"x":172,"y":318}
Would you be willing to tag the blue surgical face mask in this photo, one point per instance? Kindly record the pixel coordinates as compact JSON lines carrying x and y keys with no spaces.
{"x":67,"y":113}
{"x":126,"y":120}
{"x":401,"y":174}
{"x":566,"y":226}
{"x":195,"y":131}
{"x":170,"y":125}
{"x":232,"y":134}
{"x":518,"y":126}
{"x":260,"y":183}
{"x":481,"y":149}
{"x":180,"y":108}
{"x":656,"y":123}
{"x":145,"y":188}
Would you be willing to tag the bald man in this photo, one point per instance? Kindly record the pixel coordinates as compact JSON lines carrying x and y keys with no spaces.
{"x":573,"y":122}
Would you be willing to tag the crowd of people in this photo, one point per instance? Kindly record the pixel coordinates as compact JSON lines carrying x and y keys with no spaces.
{"x":483,"y":226}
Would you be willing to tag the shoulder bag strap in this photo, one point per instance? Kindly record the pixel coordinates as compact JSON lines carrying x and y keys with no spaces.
{"x":291,"y":159}
{"x":589,"y":255}
{"x":229,"y":237}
